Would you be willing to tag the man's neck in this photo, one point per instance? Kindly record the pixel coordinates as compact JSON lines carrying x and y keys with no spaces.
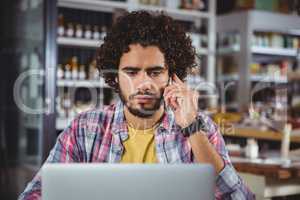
{"x":143,"y":123}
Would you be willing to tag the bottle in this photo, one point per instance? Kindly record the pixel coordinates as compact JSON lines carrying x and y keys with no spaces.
{"x":203,"y":36}
{"x":96,"y":33}
{"x":145,"y":2}
{"x":265,"y":40}
{"x":74,"y":67}
{"x":68,"y":73}
{"x":296,"y":43}
{"x":72,"y":112}
{"x":34,"y":4}
{"x":70,"y":30}
{"x":82,"y":74}
{"x":154,"y":2}
{"x":285,"y":144}
{"x":67,"y":104}
{"x":59,"y":107}
{"x":251,"y":149}
{"x":78,"y":32}
{"x":198,"y":5}
{"x":60,"y":26}
{"x":260,"y":40}
{"x":174,"y":4}
{"x":93,"y":71}
{"x":195,"y":37}
{"x":103,"y":32}
{"x":88,"y":32}
{"x":60,"y":72}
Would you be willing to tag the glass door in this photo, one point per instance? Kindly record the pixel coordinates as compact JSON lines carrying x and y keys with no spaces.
{"x":28,"y":51}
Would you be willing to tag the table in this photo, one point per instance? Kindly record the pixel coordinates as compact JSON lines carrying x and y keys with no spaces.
{"x":268,"y":178}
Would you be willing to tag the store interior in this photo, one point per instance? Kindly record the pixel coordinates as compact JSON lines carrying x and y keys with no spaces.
{"x":248,"y":78}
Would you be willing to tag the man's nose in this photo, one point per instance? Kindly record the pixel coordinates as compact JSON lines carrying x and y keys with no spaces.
{"x":145,"y":82}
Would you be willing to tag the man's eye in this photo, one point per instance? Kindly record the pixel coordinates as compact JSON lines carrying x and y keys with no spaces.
{"x":155,"y":73}
{"x":131,"y":73}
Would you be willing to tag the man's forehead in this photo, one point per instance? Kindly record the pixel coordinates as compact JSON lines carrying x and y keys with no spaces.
{"x":142,"y":57}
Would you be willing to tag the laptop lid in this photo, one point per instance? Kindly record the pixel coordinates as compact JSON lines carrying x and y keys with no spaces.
{"x":128,"y":181}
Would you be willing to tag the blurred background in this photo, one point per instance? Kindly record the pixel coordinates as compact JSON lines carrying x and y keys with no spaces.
{"x":248,"y":77}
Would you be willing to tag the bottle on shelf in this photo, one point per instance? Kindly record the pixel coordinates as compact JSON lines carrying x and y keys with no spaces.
{"x":60,"y":71}
{"x":67,"y":104}
{"x":78,"y":32}
{"x":193,"y":5}
{"x":174,"y":4}
{"x":103,"y":32}
{"x":74,"y":67}
{"x":145,"y":2}
{"x":70,"y":30}
{"x":82,"y":74}
{"x":275,"y":40}
{"x":59,"y":107}
{"x":195,"y":37}
{"x":203,"y":36}
{"x":252,"y":149}
{"x":60,"y":25}
{"x":154,"y":2}
{"x":87,"y":32}
{"x":72,"y":112}
{"x":93,"y":71}
{"x":68,"y":73}
{"x":96,"y":33}
{"x":296,"y":43}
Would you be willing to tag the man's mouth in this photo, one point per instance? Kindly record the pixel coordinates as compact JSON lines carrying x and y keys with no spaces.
{"x":144,"y":98}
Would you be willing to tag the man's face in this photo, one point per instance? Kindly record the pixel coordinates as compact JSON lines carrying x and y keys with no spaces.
{"x":142,"y":77}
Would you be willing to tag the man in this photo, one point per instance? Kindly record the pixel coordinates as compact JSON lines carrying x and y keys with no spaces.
{"x":144,"y":57}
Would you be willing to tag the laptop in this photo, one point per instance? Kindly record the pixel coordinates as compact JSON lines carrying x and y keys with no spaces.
{"x":128,"y":181}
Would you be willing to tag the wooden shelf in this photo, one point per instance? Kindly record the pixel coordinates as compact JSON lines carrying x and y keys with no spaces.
{"x":258,"y":134}
{"x":274,"y":171}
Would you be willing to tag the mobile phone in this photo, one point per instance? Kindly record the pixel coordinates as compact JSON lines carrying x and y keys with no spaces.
{"x":170,"y":81}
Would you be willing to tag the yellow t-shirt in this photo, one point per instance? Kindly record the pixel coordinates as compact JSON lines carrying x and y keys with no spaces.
{"x":140,"y":146}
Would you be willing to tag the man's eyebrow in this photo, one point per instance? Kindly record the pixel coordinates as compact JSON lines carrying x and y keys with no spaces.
{"x":131,"y":68}
{"x":152,"y":68}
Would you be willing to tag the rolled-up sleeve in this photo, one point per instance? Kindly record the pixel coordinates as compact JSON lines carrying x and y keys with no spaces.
{"x":229,"y":184}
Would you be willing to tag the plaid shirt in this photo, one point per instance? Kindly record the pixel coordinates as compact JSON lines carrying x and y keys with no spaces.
{"x":97,"y":136}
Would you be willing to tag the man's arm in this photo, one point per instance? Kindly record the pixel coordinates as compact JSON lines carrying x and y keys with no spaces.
{"x":207,"y":147}
{"x":204,"y":151}
{"x":65,"y":150}
{"x":210,"y":148}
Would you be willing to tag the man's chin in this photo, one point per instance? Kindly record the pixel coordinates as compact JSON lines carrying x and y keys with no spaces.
{"x":143,"y":113}
{"x":142,"y":109}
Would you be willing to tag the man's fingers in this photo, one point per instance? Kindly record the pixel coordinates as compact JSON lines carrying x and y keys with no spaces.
{"x":170,"y":87}
{"x":174,"y":98}
{"x":177,"y":80}
{"x":172,"y":92}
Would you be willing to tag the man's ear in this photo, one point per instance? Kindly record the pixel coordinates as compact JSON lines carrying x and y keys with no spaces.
{"x":116,"y":79}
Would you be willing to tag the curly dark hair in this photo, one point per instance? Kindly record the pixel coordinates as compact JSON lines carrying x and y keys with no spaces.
{"x":145,"y":28}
